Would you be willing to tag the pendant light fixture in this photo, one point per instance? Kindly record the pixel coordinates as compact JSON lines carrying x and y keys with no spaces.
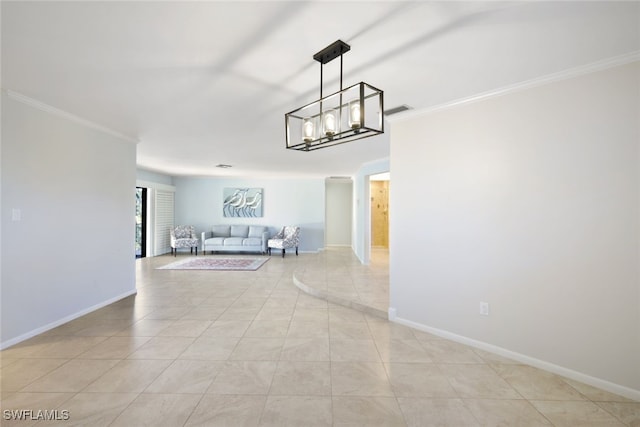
{"x":349,"y":114}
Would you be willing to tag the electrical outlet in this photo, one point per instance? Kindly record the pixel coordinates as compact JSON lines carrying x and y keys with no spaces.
{"x":484,"y":308}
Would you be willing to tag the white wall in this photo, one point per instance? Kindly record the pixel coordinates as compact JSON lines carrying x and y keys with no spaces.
{"x":339,"y":211}
{"x":73,"y":248}
{"x":529,"y":201}
{"x":285,"y":202}
{"x":151,"y":179}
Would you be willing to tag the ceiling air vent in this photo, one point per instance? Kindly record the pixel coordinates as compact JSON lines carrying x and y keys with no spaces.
{"x":223,"y":166}
{"x":396,"y":110}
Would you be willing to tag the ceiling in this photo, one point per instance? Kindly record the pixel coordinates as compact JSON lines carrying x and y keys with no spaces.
{"x":205,"y":83}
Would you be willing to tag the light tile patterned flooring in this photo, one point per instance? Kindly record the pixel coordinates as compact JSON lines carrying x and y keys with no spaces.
{"x":208,"y":348}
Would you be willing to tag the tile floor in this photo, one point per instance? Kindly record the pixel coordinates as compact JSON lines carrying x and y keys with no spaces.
{"x":204,"y":348}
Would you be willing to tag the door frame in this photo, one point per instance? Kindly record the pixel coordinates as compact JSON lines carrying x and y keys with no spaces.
{"x":143,"y":223}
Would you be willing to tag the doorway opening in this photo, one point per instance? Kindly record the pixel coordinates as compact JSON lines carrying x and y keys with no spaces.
{"x":379,"y":193}
{"x":379,"y":241}
{"x":141,"y":222}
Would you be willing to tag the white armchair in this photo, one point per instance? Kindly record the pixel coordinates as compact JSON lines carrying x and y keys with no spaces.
{"x":183,"y":236}
{"x":288,"y":237}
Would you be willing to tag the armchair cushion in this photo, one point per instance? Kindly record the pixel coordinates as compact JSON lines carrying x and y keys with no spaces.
{"x":184,"y":232}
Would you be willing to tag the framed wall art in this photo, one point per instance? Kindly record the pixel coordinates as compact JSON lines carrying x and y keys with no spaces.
{"x":242,"y":202}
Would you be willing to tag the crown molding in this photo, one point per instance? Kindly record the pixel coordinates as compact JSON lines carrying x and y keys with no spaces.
{"x":39,"y":105}
{"x":528,"y":84}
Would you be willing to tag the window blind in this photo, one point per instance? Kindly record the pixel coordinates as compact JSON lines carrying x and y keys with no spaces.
{"x":163,"y":221}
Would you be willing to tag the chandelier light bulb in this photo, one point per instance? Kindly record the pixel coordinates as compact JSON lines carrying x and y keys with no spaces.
{"x":330,"y":123}
{"x":354,"y":114}
{"x":308,"y":130}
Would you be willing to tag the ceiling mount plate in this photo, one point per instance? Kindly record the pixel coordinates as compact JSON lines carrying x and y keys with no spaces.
{"x":332,"y":51}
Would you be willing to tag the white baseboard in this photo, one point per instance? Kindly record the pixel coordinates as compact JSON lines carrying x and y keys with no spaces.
{"x":541,"y":364}
{"x":45,"y":328}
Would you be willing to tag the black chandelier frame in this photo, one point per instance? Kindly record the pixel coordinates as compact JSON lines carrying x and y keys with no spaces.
{"x":360,"y":116}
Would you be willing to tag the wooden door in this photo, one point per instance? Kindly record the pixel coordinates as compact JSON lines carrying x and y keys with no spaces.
{"x":380,"y":214}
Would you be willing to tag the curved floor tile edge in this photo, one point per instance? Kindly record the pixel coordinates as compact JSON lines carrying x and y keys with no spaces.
{"x":339,"y":300}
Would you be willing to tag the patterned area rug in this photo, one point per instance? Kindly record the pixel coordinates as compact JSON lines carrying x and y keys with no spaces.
{"x":216,"y":263}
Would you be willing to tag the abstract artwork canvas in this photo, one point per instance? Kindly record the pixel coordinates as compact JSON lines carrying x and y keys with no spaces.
{"x":242,"y":202}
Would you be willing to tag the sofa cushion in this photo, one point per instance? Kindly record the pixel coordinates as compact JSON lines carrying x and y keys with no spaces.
{"x":239,"y":230}
{"x":221,"y":231}
{"x":233,"y":241}
{"x":256,"y":231}
{"x":252,"y":241}
{"x":217,"y":241}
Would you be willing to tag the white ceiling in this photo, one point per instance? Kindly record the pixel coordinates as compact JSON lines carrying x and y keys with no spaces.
{"x":203,"y":83}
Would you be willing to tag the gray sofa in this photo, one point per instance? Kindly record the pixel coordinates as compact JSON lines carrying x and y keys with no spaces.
{"x":235,"y":238}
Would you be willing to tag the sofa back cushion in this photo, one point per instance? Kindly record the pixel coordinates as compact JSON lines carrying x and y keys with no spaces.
{"x":221,"y":231}
{"x":256,"y":231}
{"x":239,"y":230}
